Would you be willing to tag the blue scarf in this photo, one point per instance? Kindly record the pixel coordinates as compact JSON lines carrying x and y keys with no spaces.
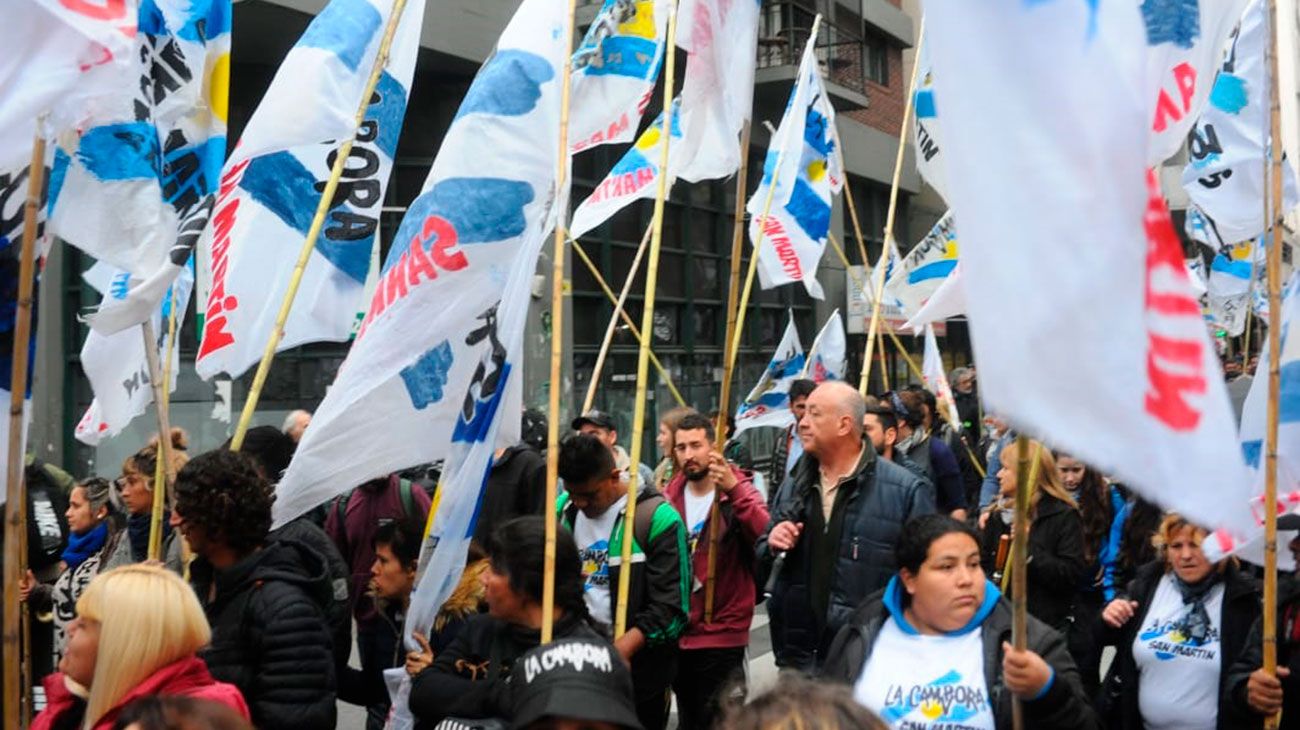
{"x":84,"y":545}
{"x":137,"y":527}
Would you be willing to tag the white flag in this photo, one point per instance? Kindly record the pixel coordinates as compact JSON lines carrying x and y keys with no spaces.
{"x":926,"y":266}
{"x":949,"y":300}
{"x":768,"y":404}
{"x":721,"y":39}
{"x":1185,"y":43}
{"x":267,"y":202}
{"x":794,"y":233}
{"x":1135,"y":366}
{"x":614,"y":71}
{"x":1227,"y":149}
{"x":116,"y":365}
{"x":828,"y":355}
{"x":935,"y":378}
{"x":927,"y":132}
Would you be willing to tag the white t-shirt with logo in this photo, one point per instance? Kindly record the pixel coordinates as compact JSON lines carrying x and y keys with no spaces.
{"x":592,"y":537}
{"x":697,"y":513}
{"x":922,"y":682}
{"x":1178,"y":676}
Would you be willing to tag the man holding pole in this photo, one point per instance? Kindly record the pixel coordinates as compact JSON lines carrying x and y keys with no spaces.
{"x":713,"y":651}
{"x":592,"y":508}
{"x":835,"y":537}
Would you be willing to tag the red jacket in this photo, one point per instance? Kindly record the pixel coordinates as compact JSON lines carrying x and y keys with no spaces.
{"x":744,"y":517}
{"x":188,"y":676}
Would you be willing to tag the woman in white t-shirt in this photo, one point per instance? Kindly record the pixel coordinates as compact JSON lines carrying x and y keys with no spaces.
{"x":933,"y":649}
{"x":1177,"y":630}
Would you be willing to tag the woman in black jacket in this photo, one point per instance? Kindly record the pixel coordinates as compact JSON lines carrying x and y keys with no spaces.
{"x":469,"y":679}
{"x":933,"y":649}
{"x":1056,"y":559}
{"x":1177,"y":631}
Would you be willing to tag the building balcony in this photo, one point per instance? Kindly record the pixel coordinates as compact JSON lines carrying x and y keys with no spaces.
{"x":841,"y":54}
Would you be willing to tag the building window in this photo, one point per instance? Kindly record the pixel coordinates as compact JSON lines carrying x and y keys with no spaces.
{"x":877,"y":53}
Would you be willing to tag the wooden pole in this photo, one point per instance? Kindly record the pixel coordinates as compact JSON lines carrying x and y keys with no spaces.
{"x":557,"y":337}
{"x":613,"y":319}
{"x":163,"y":472}
{"x":879,"y":273}
{"x":1269,"y":619}
{"x":647,"y":322}
{"x":1026,"y":479}
{"x":728,"y":359}
{"x":631,"y":326}
{"x":16,"y":698}
{"x":317,"y":223}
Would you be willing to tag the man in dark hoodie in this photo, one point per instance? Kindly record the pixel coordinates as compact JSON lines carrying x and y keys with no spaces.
{"x":266,"y":601}
{"x":659,"y":579}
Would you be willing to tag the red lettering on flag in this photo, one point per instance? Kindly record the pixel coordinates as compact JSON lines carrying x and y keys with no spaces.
{"x":219,"y":305}
{"x":1166,"y":108}
{"x":785,"y":253}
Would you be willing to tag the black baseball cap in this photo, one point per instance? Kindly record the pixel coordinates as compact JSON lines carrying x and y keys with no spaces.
{"x":599,"y":419}
{"x":579,"y":679}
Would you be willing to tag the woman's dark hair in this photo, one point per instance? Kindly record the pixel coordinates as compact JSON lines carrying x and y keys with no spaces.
{"x":1095,"y":509}
{"x":801,"y":703}
{"x":1135,"y":547}
{"x":516,"y":550}
{"x":223,"y":494}
{"x":921,"y":532}
{"x":178,"y":712}
{"x":403,"y":538}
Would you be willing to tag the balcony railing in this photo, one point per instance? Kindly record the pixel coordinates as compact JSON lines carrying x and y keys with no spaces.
{"x":783,"y":33}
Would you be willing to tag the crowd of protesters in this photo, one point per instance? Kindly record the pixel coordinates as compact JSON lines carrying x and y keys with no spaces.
{"x":876,"y":531}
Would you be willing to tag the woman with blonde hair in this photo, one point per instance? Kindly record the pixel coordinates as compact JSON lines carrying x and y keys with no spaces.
{"x":1055,"y":561}
{"x":137,"y":633}
{"x":135,"y":490}
{"x":1177,"y":630}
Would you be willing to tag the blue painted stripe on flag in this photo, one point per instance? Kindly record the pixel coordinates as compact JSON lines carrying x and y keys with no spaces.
{"x":1251,"y":451}
{"x":924,"y":104}
{"x":127,"y":151}
{"x":816,"y":132}
{"x":478,"y":503}
{"x":625,"y":56}
{"x":1289,"y":397}
{"x":426,"y":377}
{"x":1171,"y":21}
{"x":1225,"y":265}
{"x":485,"y":412}
{"x":58,"y":174}
{"x":932,"y":270}
{"x":630,"y":163}
{"x":284,"y":186}
{"x":509,"y":84}
{"x":810,"y":212}
{"x":149,"y":19}
{"x":480,"y":209}
{"x":345,"y":28}
{"x":1229,"y":93}
{"x":388,"y":112}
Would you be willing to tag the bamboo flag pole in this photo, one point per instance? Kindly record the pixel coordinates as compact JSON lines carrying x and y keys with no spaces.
{"x":647,"y":320}
{"x":887,"y":328}
{"x":724,"y":398}
{"x":317,"y":223}
{"x":879,"y":273}
{"x":16,"y":708}
{"x":1269,"y":619}
{"x":1026,"y":479}
{"x":613,"y":319}
{"x":163,"y":472}
{"x":636,"y":332}
{"x":557,"y":333}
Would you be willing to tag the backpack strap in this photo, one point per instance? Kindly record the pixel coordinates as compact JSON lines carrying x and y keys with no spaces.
{"x":643,"y":516}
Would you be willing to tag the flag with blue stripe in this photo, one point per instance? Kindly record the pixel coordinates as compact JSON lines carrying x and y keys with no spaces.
{"x":916,"y":278}
{"x":272,"y":185}
{"x":768,"y":403}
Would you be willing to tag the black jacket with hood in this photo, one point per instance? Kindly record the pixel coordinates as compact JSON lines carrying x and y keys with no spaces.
{"x":1062,"y":706}
{"x":1056,"y":562}
{"x":270,"y":637}
{"x":1119,"y":693}
{"x":823,"y":581}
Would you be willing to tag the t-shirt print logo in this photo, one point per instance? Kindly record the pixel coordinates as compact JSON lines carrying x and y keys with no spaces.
{"x":1171,"y":639}
{"x":944,"y":702}
{"x":595,"y":565}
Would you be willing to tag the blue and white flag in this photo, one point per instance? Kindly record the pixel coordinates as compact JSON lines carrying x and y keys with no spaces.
{"x":1237,"y":274}
{"x":268,"y":199}
{"x":925,"y":267}
{"x":811,"y":173}
{"x":116,"y":365}
{"x":434,"y":372}
{"x":936,"y":379}
{"x":1227,"y":148}
{"x":768,"y":404}
{"x":614,"y":70}
{"x":927,"y":131}
{"x":137,"y":187}
{"x":1184,"y":42}
{"x":828,"y":356}
{"x":1139,"y":360}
